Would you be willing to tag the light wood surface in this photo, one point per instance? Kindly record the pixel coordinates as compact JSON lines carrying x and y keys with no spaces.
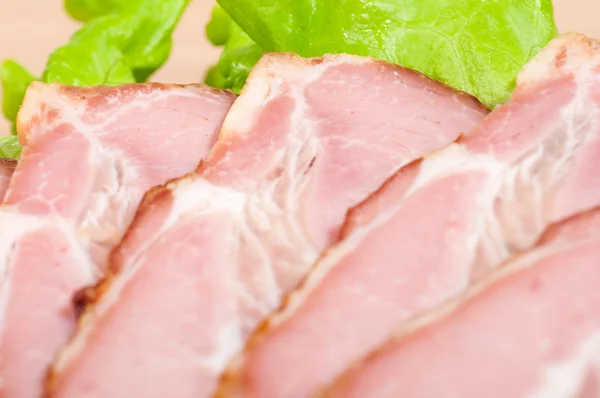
{"x":31,"y":29}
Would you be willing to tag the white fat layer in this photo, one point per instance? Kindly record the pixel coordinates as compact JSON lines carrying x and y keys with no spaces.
{"x":568,"y":378}
{"x":437,"y":163}
{"x":229,"y":342}
{"x":111,"y":204}
{"x":302,"y":148}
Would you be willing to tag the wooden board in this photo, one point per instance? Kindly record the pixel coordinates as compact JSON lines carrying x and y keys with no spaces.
{"x":31,"y":29}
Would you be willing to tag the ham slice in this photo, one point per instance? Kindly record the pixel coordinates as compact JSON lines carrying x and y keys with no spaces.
{"x":89,"y":154}
{"x":440,"y":223}
{"x":7,"y":167}
{"x":531,"y":330}
{"x":211,"y":254}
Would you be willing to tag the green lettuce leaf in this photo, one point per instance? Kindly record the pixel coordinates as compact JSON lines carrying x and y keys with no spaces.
{"x":240,"y":52}
{"x":239,"y":55}
{"x":123,"y":41}
{"x":473,"y":45}
{"x":84,"y":10}
{"x":9,"y":147}
{"x":219,"y":27}
{"x":118,"y":47}
{"x":15,"y":79}
{"x":214,"y":78}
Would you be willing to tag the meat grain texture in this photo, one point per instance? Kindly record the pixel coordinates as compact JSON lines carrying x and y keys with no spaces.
{"x":89,"y":155}
{"x":438,"y":225}
{"x":211,"y":254}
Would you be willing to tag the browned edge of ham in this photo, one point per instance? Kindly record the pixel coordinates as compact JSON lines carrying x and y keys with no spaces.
{"x":7,"y":167}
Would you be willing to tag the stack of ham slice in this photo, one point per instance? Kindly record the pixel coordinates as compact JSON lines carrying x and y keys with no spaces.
{"x":394,"y":238}
{"x":88,"y":157}
{"x":439,"y":224}
{"x":211,"y":254}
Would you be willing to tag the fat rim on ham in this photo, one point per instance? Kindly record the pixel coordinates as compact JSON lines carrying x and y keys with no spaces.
{"x":439,"y":224}
{"x":211,"y":254}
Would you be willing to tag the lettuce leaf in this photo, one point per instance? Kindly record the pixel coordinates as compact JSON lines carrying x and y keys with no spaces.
{"x":9,"y":147}
{"x":15,"y":79}
{"x":214,"y":78}
{"x":240,"y":52}
{"x":84,"y":10}
{"x":123,"y":41}
{"x":119,"y":47}
{"x":472,"y":45}
{"x":239,"y":55}
{"x":219,"y":27}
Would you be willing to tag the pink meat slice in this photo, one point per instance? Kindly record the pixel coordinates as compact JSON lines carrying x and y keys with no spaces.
{"x":437,"y":225}
{"x":531,"y":330}
{"x":89,"y":154}
{"x":211,"y":254}
{"x":7,"y":168}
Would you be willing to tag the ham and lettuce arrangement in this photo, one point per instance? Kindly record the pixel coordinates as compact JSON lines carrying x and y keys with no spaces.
{"x":364,"y":199}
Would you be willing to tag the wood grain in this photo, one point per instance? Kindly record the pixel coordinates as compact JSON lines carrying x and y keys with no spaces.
{"x":31,"y":29}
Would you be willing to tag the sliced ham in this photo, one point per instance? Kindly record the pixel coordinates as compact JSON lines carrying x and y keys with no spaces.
{"x":532,"y":330}
{"x":7,"y":168}
{"x":211,"y":254}
{"x":437,"y":225}
{"x":89,"y":154}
